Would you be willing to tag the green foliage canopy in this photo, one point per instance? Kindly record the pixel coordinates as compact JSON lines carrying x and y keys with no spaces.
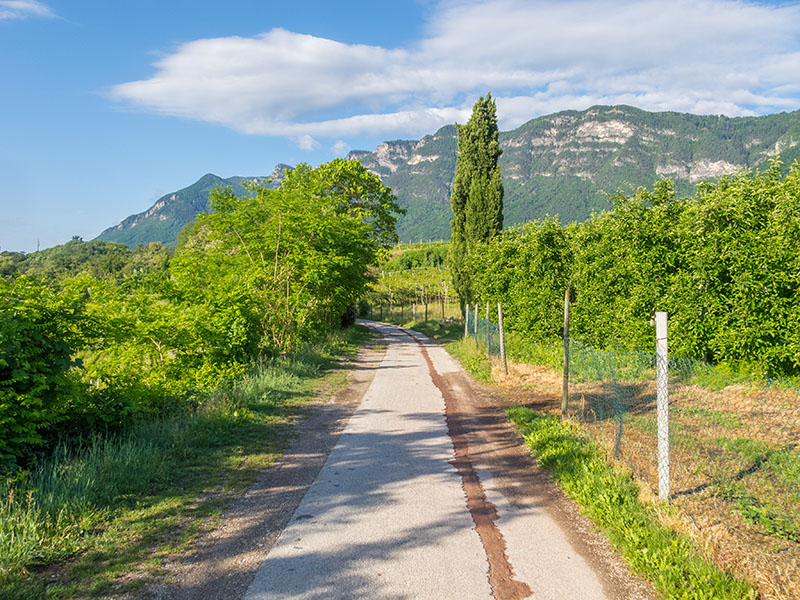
{"x":40,"y":330}
{"x":103,"y":337}
{"x":433,"y":254}
{"x":98,"y":259}
{"x":290,"y":260}
{"x":526,"y":268}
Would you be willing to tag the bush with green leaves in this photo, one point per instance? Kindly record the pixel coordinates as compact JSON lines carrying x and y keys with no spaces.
{"x":40,"y":332}
{"x":723,"y":264}
{"x":739,"y":299}
{"x":526,"y":268}
{"x":624,"y":261}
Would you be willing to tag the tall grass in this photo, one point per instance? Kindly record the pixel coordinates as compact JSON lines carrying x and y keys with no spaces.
{"x":57,"y":510}
{"x":472,"y":357}
{"x":544,"y":352}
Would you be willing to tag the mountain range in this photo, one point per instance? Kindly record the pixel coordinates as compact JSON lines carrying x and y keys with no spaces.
{"x":560,"y":164}
{"x":170,"y":213}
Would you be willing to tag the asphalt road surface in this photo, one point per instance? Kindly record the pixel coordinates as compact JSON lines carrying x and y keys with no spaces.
{"x":403,"y":508}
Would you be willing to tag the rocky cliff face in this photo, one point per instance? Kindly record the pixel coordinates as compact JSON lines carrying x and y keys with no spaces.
{"x":386,"y":158}
{"x":565,"y":163}
{"x":561,"y":164}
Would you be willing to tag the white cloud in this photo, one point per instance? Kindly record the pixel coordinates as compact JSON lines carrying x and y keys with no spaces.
{"x":307,"y":143}
{"x":734,"y":57}
{"x":340,"y":148}
{"x":22,"y":9}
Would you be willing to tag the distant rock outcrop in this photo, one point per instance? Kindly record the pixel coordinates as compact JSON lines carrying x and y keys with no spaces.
{"x":562,"y":164}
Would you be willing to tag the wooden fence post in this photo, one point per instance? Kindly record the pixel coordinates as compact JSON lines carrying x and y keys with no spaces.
{"x":502,"y":338}
{"x":488,"y":339}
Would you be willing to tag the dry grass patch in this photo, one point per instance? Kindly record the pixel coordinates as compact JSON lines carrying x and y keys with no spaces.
{"x":525,"y":375}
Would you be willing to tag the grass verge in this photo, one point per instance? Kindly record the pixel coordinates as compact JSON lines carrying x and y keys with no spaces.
{"x":464,"y":349}
{"x":547,"y":353}
{"x":100,"y":518}
{"x":472,"y":358}
{"x":609,"y":497}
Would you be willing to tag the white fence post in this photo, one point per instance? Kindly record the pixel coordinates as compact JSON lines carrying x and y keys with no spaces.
{"x":662,"y":402}
{"x":466,"y":318}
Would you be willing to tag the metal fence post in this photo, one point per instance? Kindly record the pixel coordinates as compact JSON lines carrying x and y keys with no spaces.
{"x":466,"y":319}
{"x":662,"y":402}
{"x":502,"y":337}
{"x":475,"y":327}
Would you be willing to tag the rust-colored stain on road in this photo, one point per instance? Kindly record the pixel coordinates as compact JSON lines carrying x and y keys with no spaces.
{"x":484,"y":513}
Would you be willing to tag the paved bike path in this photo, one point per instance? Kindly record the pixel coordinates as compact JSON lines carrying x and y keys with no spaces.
{"x":393,"y":512}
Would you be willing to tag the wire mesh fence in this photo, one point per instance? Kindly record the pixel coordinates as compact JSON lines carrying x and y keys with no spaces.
{"x":485,"y":333}
{"x":734,"y":447}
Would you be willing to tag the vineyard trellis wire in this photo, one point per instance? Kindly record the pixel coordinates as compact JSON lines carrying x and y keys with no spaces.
{"x":418,"y":292}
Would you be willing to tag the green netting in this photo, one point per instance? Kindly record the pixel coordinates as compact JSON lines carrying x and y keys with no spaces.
{"x":733,"y":445}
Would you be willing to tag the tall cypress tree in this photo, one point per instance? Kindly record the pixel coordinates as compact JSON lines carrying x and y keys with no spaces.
{"x":477,"y":196}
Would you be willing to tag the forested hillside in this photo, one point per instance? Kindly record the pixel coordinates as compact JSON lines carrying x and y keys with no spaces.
{"x":163,"y":221}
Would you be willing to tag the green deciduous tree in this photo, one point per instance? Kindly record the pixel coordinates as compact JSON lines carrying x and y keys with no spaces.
{"x":293,"y":258}
{"x":477,"y":196}
{"x":526,"y":268}
{"x":40,"y":330}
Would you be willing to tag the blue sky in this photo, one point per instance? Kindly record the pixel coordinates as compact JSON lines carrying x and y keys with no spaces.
{"x":107,"y":105}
